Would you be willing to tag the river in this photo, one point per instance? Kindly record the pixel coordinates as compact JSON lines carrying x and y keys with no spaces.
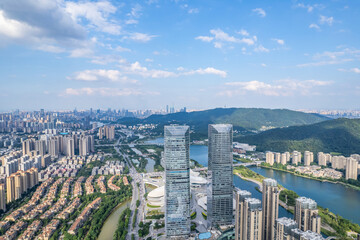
{"x":110,"y":224}
{"x":338,"y":198}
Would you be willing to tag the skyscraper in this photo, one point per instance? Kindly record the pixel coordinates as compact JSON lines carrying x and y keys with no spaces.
{"x":270,"y":199}
{"x":220,"y":168}
{"x":248,"y":221}
{"x":306,"y":215}
{"x":177,"y":185}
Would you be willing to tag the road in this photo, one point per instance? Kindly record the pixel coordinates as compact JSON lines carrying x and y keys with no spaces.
{"x":138,"y":193}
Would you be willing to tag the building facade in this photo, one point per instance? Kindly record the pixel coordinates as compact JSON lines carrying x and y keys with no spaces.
{"x":220,"y":175}
{"x":270,"y":200}
{"x":177,"y":185}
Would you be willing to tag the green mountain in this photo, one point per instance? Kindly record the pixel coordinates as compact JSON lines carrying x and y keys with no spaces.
{"x":244,"y":120}
{"x":339,"y":135}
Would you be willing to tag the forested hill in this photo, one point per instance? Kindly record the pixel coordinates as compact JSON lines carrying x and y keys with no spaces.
{"x":243,"y":119}
{"x":339,"y":135}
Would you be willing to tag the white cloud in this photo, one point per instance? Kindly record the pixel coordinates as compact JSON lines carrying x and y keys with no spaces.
{"x":81,"y":52}
{"x":136,"y":69}
{"x":286,"y":87}
{"x":135,"y":11}
{"x":309,"y":7}
{"x":131,"y":21}
{"x":106,"y":59}
{"x":220,"y":38}
{"x":101,"y":75}
{"x":140,"y":37}
{"x":324,"y":63}
{"x":279,"y":41}
{"x":263,"y":65}
{"x":313,"y":25}
{"x":326,"y":20}
{"x":261,"y":12}
{"x":96,"y":13}
{"x":39,"y":23}
{"x":103,"y":91}
{"x":208,"y":70}
{"x":261,"y":48}
{"x":333,"y":57}
{"x":354,"y":70}
{"x":243,"y":32}
{"x":122,"y":49}
{"x":193,"y":10}
{"x":204,"y":38}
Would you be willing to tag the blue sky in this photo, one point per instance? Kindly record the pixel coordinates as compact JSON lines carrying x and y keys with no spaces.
{"x":58,"y":54}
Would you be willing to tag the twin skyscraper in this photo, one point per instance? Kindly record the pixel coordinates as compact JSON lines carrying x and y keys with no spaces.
{"x":177,"y":175}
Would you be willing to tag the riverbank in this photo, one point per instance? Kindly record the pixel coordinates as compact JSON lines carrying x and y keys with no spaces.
{"x":332,"y":224}
{"x":311,"y":177}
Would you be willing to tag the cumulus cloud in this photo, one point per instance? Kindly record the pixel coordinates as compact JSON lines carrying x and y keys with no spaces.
{"x":38,"y":23}
{"x":286,"y":87}
{"x":219,"y":38}
{"x":261,"y":48}
{"x":243,"y":32}
{"x":354,"y":70}
{"x":261,"y":12}
{"x":279,"y":41}
{"x":96,"y":13}
{"x":309,"y":7}
{"x":326,"y":20}
{"x":333,"y":57}
{"x":137,"y":69}
{"x":101,"y":75}
{"x":208,"y":70}
{"x":103,"y":91}
{"x":204,"y":38}
{"x":140,"y":37}
{"x":315,"y":26}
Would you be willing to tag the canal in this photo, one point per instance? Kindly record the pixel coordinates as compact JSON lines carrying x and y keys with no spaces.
{"x":110,"y":224}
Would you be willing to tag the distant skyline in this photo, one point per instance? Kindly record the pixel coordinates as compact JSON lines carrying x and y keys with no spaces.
{"x":195,"y":54}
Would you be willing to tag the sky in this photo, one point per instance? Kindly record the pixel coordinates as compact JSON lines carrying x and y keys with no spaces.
{"x":61,"y":55}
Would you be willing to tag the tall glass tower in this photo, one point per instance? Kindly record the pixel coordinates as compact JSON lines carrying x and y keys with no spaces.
{"x":220,"y":175}
{"x":177,"y":185}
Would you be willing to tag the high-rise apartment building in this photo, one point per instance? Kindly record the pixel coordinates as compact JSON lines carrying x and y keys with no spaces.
{"x":351,"y":168}
{"x":2,"y":197}
{"x":28,"y":145}
{"x":283,"y":159}
{"x":220,"y":175}
{"x":338,"y":162}
{"x":177,"y":185}
{"x":307,"y":215}
{"x":270,"y":158}
{"x":277,"y":158}
{"x":270,"y":200}
{"x":70,"y":147}
{"x":40,"y":146}
{"x":283,"y":228}
{"x":19,"y":182}
{"x":108,"y":132}
{"x":308,"y":158}
{"x":296,"y":157}
{"x":248,"y":221}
